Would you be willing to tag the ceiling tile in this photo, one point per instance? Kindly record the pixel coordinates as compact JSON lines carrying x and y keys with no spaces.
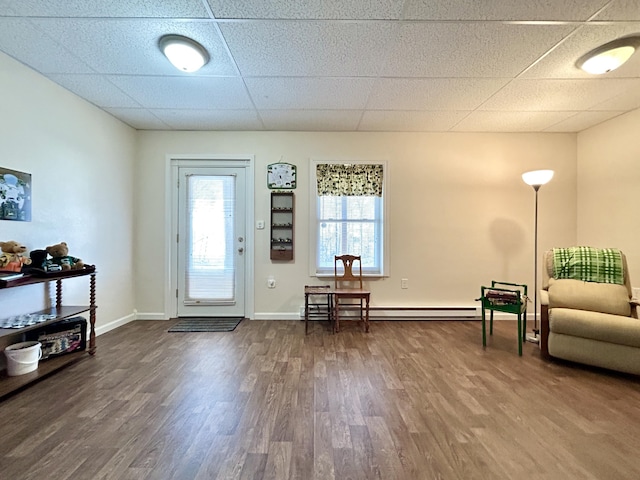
{"x":310,"y":9}
{"x":557,"y":95}
{"x":502,"y":10}
{"x":336,"y":65}
{"x":185,"y":92}
{"x":509,"y":121}
{"x":179,"y":119}
{"x":561,"y":62}
{"x":28,"y":44}
{"x":469,"y":50}
{"x":308,"y":48}
{"x":622,"y":10}
{"x":138,"y":118}
{"x":581,"y":121}
{"x":628,"y":100}
{"x":313,"y":93}
{"x":131,"y":46}
{"x":311,"y":120}
{"x":414,"y":121}
{"x":102,"y":92}
{"x":433,"y":93}
{"x":106,"y":8}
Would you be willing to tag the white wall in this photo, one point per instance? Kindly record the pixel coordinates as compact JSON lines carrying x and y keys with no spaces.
{"x":81,"y":161}
{"x":459,"y":212}
{"x":609,"y":188}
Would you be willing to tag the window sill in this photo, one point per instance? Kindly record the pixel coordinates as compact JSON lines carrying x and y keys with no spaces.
{"x":330,"y":276}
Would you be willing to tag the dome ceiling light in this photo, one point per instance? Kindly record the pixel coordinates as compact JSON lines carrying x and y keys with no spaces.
{"x":184,"y":53}
{"x":609,"y":56}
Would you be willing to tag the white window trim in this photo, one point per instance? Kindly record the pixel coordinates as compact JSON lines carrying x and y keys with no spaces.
{"x":313,"y":209}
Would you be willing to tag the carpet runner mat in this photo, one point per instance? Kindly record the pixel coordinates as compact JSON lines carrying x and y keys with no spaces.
{"x":206,"y":324}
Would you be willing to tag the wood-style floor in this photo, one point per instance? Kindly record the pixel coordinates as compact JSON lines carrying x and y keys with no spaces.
{"x":409,"y":400}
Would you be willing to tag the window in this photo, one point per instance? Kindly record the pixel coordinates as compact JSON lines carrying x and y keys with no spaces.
{"x":349,"y":215}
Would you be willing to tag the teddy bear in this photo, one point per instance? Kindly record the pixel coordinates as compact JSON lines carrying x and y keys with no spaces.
{"x":60,"y":256}
{"x":12,"y":257}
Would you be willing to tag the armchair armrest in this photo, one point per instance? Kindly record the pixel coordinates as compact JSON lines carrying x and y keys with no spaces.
{"x":634,"y":307}
{"x":544,"y":297}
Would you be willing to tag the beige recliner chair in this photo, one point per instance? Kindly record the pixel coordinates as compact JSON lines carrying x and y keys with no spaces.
{"x":593,"y":322}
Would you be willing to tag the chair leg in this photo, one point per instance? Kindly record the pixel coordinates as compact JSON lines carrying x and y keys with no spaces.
{"x":330,"y":311}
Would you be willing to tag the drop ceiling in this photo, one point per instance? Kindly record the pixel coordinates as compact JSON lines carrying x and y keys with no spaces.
{"x":334,"y":65}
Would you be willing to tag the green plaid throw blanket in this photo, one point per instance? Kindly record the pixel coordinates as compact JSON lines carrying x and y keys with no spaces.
{"x":602,"y":265}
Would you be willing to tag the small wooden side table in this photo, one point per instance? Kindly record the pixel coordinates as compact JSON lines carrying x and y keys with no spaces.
{"x":504,"y":297}
{"x":318,"y":309}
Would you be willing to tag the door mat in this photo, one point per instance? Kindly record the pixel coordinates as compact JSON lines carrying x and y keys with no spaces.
{"x":206,"y":324}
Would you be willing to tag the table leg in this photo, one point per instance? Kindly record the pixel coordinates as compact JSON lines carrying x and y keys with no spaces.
{"x":366,"y":315}
{"x":306,"y":313}
{"x":484,"y":328}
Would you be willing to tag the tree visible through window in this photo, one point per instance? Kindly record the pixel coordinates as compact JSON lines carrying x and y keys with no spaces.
{"x":349,"y":215}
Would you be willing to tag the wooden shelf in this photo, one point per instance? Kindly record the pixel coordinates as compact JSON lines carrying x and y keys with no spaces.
{"x":33,"y":279}
{"x":282,"y":228}
{"x":60,"y":313}
{"x":45,"y":367}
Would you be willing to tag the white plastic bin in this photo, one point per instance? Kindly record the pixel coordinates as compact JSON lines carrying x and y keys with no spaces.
{"x":22,"y":357}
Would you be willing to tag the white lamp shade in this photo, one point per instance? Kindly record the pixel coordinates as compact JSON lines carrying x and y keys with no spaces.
{"x":610,"y":56}
{"x":185,"y":54}
{"x":537,"y":178}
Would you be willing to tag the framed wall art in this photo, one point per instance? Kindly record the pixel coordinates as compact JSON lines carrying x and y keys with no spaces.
{"x":15,"y":195}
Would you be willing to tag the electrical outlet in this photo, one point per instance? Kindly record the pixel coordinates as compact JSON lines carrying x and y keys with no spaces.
{"x":404,"y":283}
{"x":260,"y":224}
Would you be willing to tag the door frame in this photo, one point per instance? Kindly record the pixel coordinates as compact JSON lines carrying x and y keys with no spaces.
{"x":171,"y":222}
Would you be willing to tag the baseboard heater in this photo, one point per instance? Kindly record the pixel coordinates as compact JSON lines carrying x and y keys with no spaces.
{"x":420,"y":313}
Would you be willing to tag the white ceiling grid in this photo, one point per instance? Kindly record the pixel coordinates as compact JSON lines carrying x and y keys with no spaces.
{"x":334,"y":65}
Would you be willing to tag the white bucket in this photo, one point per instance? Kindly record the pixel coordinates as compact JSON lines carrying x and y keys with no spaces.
{"x":22,"y":357}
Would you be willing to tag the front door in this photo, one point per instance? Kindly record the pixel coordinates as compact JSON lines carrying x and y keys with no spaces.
{"x":211,"y":242}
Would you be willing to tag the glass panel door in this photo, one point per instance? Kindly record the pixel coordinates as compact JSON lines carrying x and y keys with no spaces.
{"x":211,"y":242}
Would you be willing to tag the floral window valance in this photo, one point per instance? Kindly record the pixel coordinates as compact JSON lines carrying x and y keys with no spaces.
{"x":353,"y":180}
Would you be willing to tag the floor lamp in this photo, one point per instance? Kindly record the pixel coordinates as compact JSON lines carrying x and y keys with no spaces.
{"x":536,"y":179}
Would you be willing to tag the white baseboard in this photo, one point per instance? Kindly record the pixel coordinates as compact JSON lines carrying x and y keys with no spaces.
{"x":115,"y":324}
{"x":277,"y":316}
{"x":429,"y":313}
{"x":151,"y":316}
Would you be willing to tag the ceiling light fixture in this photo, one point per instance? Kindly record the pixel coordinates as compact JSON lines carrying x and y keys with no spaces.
{"x":184,"y":53}
{"x":609,"y":56}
